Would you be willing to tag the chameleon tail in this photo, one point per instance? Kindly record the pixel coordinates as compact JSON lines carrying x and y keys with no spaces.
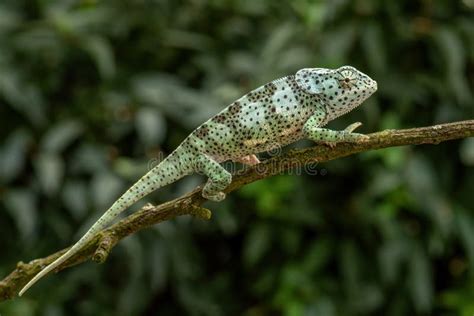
{"x":171,"y":169}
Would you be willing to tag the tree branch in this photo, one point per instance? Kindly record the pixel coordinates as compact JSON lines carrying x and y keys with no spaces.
{"x":189,"y":204}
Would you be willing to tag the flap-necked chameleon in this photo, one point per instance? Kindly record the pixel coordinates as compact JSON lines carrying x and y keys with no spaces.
{"x":273,"y":115}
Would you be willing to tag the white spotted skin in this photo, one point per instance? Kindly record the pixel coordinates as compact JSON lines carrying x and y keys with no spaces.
{"x":273,"y":115}
{"x":267,"y":117}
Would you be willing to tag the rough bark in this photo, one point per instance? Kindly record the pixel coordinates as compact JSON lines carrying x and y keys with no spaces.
{"x":190,"y":204}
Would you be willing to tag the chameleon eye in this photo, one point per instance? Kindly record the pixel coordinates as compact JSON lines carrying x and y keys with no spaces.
{"x":347,"y":78}
{"x":346,"y":83}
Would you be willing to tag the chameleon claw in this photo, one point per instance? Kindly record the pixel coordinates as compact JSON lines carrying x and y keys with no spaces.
{"x":329,"y":144}
{"x":354,"y":137}
{"x":352,"y":127}
{"x":219,"y":196}
{"x":249,"y":160}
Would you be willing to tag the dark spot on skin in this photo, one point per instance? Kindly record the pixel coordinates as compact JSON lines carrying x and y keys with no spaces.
{"x":220,"y":118}
{"x":202,"y":132}
{"x":270,"y":89}
{"x":235,"y":107}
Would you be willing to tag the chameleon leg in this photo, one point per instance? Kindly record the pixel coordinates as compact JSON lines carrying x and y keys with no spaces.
{"x":323,"y":135}
{"x":219,"y":178}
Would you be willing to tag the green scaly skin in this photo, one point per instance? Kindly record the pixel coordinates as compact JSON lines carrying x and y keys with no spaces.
{"x":273,"y":115}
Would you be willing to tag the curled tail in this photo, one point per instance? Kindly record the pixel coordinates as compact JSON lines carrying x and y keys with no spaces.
{"x":171,"y":169}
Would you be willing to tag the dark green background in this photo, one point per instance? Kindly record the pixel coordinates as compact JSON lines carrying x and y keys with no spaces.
{"x":91,"y":92}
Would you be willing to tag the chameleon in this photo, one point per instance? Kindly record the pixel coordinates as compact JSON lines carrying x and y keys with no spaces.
{"x":276,"y":114}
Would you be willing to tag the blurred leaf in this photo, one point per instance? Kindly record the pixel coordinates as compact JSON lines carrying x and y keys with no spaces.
{"x":313,"y":13}
{"x":275,"y":44}
{"x":81,"y":21}
{"x":423,"y":183}
{"x":89,"y":158}
{"x":337,"y":43}
{"x":159,"y":266}
{"x":61,"y":135}
{"x":191,"y":40}
{"x":75,"y":197}
{"x":317,"y":256}
{"x":350,"y":268}
{"x":41,"y":43}
{"x":134,"y":251}
{"x":22,"y":96}
{"x":451,"y":48}
{"x":151,"y":126}
{"x":9,"y":19}
{"x":294,"y":309}
{"x":256,"y":245}
{"x":180,"y":102}
{"x":384,"y":182}
{"x":465,"y":230}
{"x":21,"y":205}
{"x":421,"y":178}
{"x":49,"y":169}
{"x":466,"y":151}
{"x":18,"y":308}
{"x":13,"y":155}
{"x":421,"y":283}
{"x":323,"y":307}
{"x":269,"y":193}
{"x":391,"y":257}
{"x":459,"y":299}
{"x":102,"y":53}
{"x":373,"y":47}
{"x":105,"y":189}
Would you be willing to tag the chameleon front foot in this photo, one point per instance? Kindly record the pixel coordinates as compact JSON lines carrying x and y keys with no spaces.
{"x":343,"y":137}
{"x":216,"y":197}
{"x":354,"y":137}
{"x":330,"y":137}
{"x":352,"y":127}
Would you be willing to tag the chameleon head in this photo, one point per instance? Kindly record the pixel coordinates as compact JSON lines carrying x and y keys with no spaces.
{"x":340,"y":90}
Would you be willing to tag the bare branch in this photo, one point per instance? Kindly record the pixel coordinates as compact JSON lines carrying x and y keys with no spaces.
{"x":189,"y":204}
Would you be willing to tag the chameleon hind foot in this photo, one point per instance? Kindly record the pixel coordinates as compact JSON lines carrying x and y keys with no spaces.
{"x":214,"y":186}
{"x":219,"y":178}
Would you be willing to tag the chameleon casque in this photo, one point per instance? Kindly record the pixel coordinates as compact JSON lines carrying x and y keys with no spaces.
{"x":273,"y":115}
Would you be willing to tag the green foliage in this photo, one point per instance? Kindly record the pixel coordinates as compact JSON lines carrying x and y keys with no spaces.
{"x":93,"y":92}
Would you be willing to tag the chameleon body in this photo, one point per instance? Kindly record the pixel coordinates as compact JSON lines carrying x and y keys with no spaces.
{"x":273,"y":115}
